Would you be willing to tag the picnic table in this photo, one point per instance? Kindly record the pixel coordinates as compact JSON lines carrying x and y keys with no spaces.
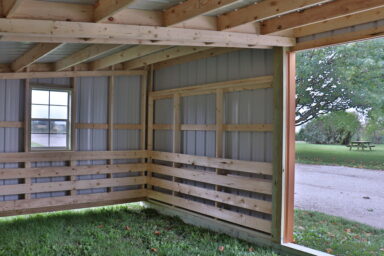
{"x":361,"y":144}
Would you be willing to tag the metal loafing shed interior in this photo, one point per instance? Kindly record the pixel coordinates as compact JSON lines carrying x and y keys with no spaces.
{"x":188,"y":105}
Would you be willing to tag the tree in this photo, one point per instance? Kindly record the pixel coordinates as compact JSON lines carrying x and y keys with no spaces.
{"x":334,"y":128}
{"x":339,"y":78}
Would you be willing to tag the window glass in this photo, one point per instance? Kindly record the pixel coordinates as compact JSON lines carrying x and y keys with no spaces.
{"x":39,"y":111}
{"x":58,"y":112}
{"x":40,"y":97}
{"x":59,"y":98}
{"x":50,"y":119}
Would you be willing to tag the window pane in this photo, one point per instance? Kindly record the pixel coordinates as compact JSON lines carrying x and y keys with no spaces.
{"x":58,"y":140}
{"x":39,"y":140}
{"x":58,"y":112}
{"x":40,"y":97}
{"x":39,"y":111}
{"x":58,"y":127}
{"x":39,"y":126}
{"x":59,"y":98}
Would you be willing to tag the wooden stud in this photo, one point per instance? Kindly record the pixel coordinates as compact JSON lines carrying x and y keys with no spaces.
{"x":278,"y":144}
{"x":11,"y":6}
{"x":105,"y":9}
{"x":219,"y":132}
{"x":73,"y":128}
{"x":290,"y":154}
{"x":27,"y":127}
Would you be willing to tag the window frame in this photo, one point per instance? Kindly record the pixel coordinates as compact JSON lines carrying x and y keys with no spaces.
{"x":69,"y":120}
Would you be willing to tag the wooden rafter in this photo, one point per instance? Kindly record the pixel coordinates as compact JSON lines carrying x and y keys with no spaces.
{"x":192,"y":8}
{"x":318,"y":14}
{"x":341,"y":38}
{"x":83,"y":55}
{"x":105,"y":33}
{"x":263,"y":10}
{"x":168,"y":54}
{"x":11,"y":6}
{"x":33,"y":55}
{"x":125,"y":55}
{"x":342,"y":22}
{"x":105,"y":9}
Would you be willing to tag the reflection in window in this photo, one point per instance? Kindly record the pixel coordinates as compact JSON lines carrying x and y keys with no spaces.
{"x":50,"y":119}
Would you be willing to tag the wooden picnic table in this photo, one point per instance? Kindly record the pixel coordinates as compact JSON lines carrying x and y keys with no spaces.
{"x":361,"y":144}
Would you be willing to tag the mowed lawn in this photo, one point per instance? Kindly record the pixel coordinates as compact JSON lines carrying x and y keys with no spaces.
{"x":340,"y":155}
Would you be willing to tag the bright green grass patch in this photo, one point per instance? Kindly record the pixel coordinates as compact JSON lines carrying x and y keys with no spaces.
{"x":339,"y":236}
{"x":340,"y":155}
{"x":118,"y":230}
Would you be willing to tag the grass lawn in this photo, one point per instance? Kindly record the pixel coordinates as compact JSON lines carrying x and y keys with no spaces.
{"x":337,"y":236}
{"x":116,"y":230}
{"x":340,"y":155}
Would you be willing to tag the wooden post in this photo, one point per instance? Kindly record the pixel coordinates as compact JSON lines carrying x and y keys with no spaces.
{"x":278,"y":143}
{"x":150,"y":117}
{"x":111,"y":90}
{"x":73,"y":128}
{"x":144,"y":81}
{"x":27,"y":136}
{"x":219,"y":131}
{"x":176,"y":129}
{"x":290,"y":156}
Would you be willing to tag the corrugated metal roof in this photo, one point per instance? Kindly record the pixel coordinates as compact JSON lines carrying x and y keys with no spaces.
{"x":61,"y":52}
{"x":234,"y":6}
{"x":10,"y":51}
{"x":121,"y":48}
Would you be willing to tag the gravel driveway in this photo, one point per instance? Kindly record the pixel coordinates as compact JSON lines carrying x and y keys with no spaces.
{"x":351,"y":193}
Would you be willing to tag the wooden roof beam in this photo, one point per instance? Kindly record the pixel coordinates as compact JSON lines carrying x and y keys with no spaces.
{"x":263,"y":10}
{"x":126,"y":55}
{"x":108,"y":33}
{"x":168,"y":54}
{"x":84,"y":55}
{"x":192,"y":8}
{"x":11,"y":6}
{"x":321,"y":13}
{"x":104,"y":9}
{"x":33,"y":55}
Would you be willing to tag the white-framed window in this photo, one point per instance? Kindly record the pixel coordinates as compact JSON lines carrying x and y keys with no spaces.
{"x":50,"y":127}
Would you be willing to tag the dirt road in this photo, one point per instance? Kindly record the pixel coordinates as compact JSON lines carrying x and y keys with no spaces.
{"x":351,"y":193}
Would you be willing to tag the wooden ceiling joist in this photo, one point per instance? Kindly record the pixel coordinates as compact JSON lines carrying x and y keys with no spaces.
{"x":168,"y":54}
{"x":11,"y":6}
{"x":338,"y":23}
{"x":126,"y":55}
{"x":195,"y":56}
{"x":107,"y":32}
{"x":192,"y":8}
{"x":321,"y":13}
{"x":263,"y":10}
{"x":341,"y":38}
{"x":84,"y":55}
{"x":105,"y":9}
{"x":33,"y":55}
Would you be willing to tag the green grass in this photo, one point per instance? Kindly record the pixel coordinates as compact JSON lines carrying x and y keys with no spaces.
{"x":117,"y":230}
{"x":340,"y":155}
{"x":337,"y":236}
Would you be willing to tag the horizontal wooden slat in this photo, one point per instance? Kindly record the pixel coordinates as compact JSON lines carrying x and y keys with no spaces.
{"x":244,"y":183}
{"x":7,"y":124}
{"x":238,"y":218}
{"x":70,"y":185}
{"x":68,"y":200}
{"x":20,"y":173}
{"x":220,"y":163}
{"x":226,"y":198}
{"x":234,"y":85}
{"x":198,"y":127}
{"x":162,"y":126}
{"x":249,"y":127}
{"x":70,"y":156}
{"x":106,"y":126}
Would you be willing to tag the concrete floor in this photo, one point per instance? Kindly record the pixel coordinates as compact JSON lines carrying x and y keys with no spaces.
{"x":351,"y":193}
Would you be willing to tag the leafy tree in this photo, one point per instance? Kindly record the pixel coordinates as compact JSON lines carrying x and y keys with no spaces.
{"x":339,"y":78}
{"x":334,"y":128}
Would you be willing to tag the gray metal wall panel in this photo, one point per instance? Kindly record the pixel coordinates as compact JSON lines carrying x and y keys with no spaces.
{"x":127,"y":100}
